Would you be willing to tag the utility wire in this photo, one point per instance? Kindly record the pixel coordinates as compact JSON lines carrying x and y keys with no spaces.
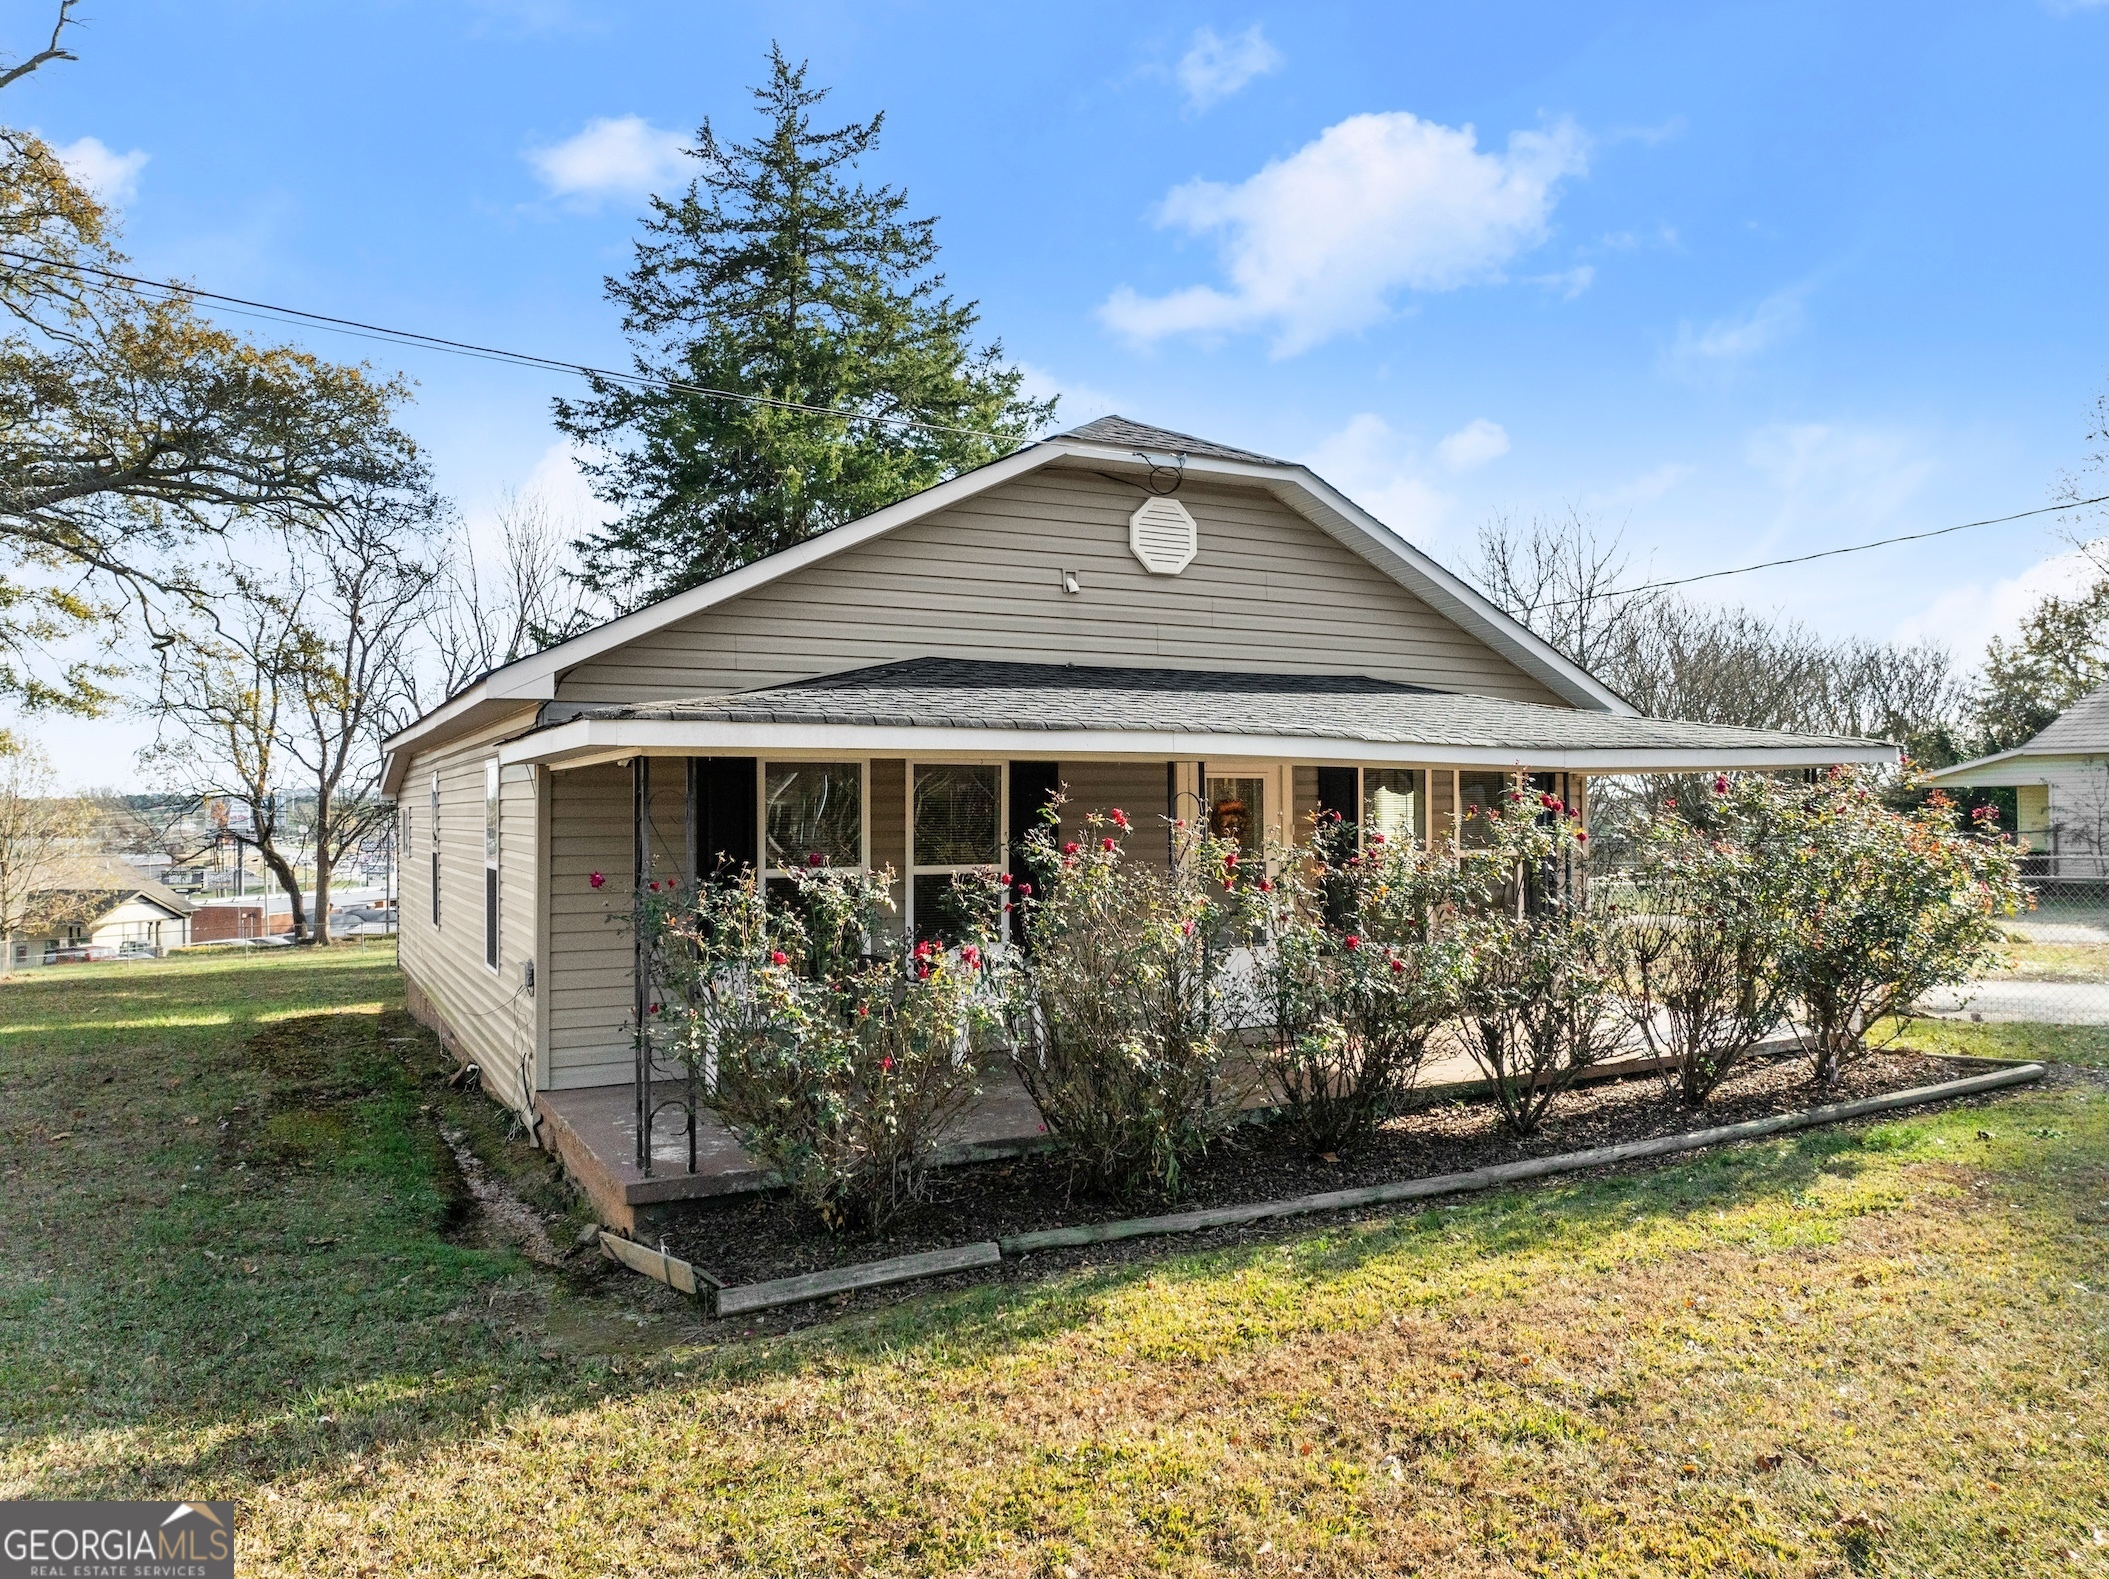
{"x":1827,"y":553}
{"x":274,"y":312}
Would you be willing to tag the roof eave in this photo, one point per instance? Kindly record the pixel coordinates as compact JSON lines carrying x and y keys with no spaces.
{"x":582,"y":742}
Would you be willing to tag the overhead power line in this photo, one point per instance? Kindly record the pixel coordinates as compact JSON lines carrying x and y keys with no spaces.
{"x":276,"y":312}
{"x":1826,"y":553}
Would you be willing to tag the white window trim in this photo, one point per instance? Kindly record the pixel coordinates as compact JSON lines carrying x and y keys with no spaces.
{"x":1003,"y":829}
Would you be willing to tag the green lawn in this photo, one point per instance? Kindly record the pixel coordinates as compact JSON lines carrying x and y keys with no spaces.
{"x":1881,"y":1350}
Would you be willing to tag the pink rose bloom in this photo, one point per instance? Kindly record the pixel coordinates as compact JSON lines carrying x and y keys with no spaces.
{"x":596,"y":879}
{"x":1376,"y":838}
{"x":779,"y":957}
{"x":816,"y":859}
{"x":1025,"y":890}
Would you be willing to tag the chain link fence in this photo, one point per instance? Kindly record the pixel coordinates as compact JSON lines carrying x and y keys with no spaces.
{"x":2057,"y":972}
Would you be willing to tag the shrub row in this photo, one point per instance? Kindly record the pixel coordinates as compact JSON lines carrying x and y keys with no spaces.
{"x":1144,"y":1003}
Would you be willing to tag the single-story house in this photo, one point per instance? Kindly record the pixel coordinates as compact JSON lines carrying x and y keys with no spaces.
{"x":1140,"y":618}
{"x":2060,"y":780}
{"x":98,"y":910}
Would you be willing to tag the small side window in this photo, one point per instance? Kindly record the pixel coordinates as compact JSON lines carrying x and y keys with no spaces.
{"x":490,"y":863}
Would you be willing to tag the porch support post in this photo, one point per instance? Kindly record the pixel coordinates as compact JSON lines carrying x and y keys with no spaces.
{"x":640,"y":969}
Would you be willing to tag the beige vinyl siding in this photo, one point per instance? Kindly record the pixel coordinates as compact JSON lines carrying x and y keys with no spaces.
{"x":591,"y":950}
{"x":1267,"y":592}
{"x":886,"y":783}
{"x":489,"y":1014}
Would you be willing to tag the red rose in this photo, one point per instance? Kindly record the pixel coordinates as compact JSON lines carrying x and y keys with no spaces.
{"x":1397,"y":966}
{"x":1580,"y":837}
{"x":1376,"y":838}
{"x":1120,"y":819}
{"x":1107,"y":844}
{"x":972,"y":956}
{"x":1670,"y":804}
{"x":1720,"y":783}
{"x":655,"y":1008}
{"x":863,"y":1011}
{"x":922,"y":973}
{"x":1005,"y":879}
{"x":816,"y":859}
{"x":1071,"y":847}
{"x":779,"y":957}
{"x":1265,"y":886}
{"x":596,"y":879}
{"x":1352,"y":941}
{"x":886,"y":1063}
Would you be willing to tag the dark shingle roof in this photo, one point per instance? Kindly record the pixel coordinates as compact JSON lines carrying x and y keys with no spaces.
{"x":958,"y":693}
{"x":1159,"y":441}
{"x":2082,"y":727}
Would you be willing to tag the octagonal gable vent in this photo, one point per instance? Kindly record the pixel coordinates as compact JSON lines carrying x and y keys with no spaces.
{"x":1162,"y":535}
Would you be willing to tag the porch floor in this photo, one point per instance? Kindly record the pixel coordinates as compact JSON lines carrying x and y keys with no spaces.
{"x":594,"y":1130}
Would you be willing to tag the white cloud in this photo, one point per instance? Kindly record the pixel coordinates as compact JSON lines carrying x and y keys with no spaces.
{"x":111,"y":176}
{"x":1644,"y":489}
{"x":1726,"y":342}
{"x":1317,"y":243}
{"x":1851,"y":477}
{"x":1474,"y":444}
{"x":1568,"y":283}
{"x":1214,"y":68}
{"x":1373,"y":466}
{"x":1966,"y":617}
{"x":1081,"y":403}
{"x":623,"y":156}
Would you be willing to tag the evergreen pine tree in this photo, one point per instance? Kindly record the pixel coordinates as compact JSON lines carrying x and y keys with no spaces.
{"x":773,"y":277}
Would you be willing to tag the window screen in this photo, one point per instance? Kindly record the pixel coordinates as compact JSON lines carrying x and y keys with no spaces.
{"x":1394,"y":804}
{"x":814,"y":808}
{"x":958,"y":828}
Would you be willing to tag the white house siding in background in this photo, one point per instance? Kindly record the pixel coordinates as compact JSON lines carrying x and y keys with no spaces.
{"x":1268,"y":593}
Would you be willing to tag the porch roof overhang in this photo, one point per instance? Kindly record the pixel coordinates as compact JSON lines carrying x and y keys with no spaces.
{"x":938,"y":706}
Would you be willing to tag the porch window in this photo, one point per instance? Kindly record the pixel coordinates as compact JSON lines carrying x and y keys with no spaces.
{"x":812,"y":808}
{"x":490,"y":863}
{"x":1237,"y":810}
{"x":956,"y":829}
{"x":1395,"y":804}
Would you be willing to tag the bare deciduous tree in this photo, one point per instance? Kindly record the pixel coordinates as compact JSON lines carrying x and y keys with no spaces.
{"x":485,"y":614}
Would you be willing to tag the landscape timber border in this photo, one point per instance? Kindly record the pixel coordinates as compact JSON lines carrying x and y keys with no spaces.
{"x":750,"y":1298}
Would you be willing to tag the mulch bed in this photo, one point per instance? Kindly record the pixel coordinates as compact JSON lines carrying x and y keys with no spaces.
{"x":747,"y":1238}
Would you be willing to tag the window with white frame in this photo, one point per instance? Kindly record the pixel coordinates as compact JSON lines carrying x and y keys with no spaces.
{"x":435,"y":848}
{"x":1395,"y":804}
{"x":490,"y":863}
{"x":812,"y":815}
{"x":955,"y":829}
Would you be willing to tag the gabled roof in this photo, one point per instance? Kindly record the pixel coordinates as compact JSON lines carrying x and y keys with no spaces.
{"x":1113,"y":443}
{"x":1146,"y":440}
{"x":86,"y":890}
{"x":1079,"y":709}
{"x":2082,"y":730}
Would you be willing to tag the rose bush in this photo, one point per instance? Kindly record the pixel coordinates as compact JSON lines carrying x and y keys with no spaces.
{"x":838,"y":1068}
{"x":1123,"y":1010}
{"x":1697,"y":928}
{"x":1883,"y":906}
{"x":1539,"y":998}
{"x":1362,"y":966}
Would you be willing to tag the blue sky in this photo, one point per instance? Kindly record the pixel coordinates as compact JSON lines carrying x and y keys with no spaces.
{"x":1744,"y":280}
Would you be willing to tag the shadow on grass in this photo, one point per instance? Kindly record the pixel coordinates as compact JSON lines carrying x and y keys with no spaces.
{"x":282,"y":1294}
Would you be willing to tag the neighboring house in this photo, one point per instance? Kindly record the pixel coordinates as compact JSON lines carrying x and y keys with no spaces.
{"x":1138,"y":618}
{"x":99,"y":910}
{"x":2060,"y":781}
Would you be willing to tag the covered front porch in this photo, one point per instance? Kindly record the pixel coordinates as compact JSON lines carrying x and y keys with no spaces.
{"x":933,"y":768}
